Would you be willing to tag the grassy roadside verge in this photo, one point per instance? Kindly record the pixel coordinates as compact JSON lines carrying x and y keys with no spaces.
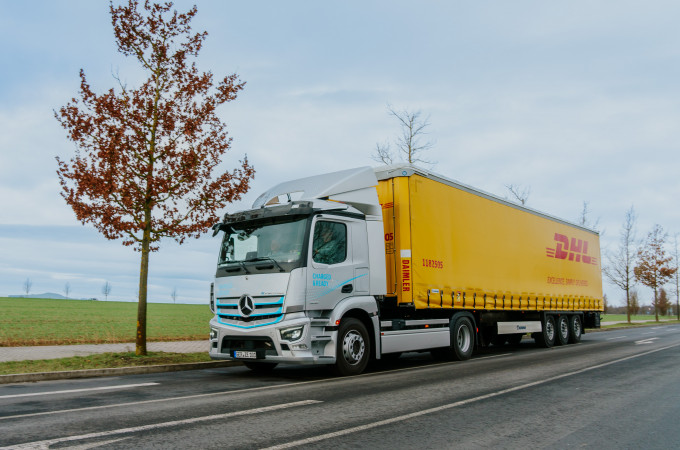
{"x":648,"y":323}
{"x":100,"y":361}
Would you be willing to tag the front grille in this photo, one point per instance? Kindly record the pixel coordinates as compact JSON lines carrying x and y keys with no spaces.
{"x":267,"y":311}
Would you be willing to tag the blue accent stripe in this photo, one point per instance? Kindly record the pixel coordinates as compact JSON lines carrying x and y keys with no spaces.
{"x":340,"y":284}
{"x":251,"y":326}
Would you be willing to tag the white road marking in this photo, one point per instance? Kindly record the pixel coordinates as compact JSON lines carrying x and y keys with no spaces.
{"x":369,"y":426}
{"x":47,"y":443}
{"x":646,"y":341}
{"x":618,"y":337}
{"x":70,"y":391}
{"x":240,"y":391}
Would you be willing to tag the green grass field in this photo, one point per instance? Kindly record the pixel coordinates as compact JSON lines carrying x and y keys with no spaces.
{"x":623,"y":317}
{"x":29,"y":321}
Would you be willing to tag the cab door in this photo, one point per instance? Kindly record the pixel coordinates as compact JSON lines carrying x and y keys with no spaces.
{"x":332,"y":269}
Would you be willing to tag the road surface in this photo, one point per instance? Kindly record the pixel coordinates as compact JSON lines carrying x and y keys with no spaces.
{"x":616,"y":389}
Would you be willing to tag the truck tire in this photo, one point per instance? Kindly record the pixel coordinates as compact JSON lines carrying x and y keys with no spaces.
{"x":353,"y":348}
{"x":546,"y":338}
{"x":462,"y":338}
{"x":259,"y":367}
{"x":562,"y":328}
{"x":575,"y":329}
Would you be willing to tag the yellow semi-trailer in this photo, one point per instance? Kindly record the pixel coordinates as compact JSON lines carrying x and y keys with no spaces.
{"x":343,"y":267}
{"x":512,"y":270}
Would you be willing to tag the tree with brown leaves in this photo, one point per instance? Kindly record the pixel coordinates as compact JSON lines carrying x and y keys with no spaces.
{"x":653,"y":269}
{"x":146,"y":160}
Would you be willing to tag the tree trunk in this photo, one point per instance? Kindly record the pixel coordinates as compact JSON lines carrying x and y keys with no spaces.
{"x":628,"y":304}
{"x":140,"y":345}
{"x":656,"y":305}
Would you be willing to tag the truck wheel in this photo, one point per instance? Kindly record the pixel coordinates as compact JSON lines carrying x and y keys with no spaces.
{"x":546,"y":338}
{"x":259,"y":367}
{"x":562,"y":326}
{"x":575,"y":329}
{"x":462,"y":338}
{"x":353,"y":348}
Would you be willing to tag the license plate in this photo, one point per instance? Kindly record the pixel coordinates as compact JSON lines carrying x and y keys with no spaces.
{"x":245,"y":355}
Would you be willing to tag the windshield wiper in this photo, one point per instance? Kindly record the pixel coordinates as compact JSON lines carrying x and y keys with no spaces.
{"x":266,"y":258}
{"x":239,"y":262}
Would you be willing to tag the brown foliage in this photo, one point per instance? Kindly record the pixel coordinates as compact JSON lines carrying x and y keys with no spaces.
{"x":146,"y":158}
{"x":653,"y":269}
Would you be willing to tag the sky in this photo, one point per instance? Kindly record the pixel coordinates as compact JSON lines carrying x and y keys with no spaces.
{"x":578,"y":101}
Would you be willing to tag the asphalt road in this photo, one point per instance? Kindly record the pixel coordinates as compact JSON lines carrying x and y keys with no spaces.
{"x":616,"y":389}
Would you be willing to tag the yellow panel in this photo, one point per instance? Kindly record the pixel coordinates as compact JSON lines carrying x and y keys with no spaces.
{"x":445,"y":238}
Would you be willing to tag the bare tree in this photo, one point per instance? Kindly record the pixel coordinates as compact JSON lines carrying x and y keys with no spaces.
{"x":519,"y":193}
{"x":410,"y":143}
{"x":584,"y":219}
{"x":653,"y":268}
{"x":676,"y":263}
{"x":106,"y":290}
{"x":383,"y":153}
{"x":619,"y":267}
{"x":28,"y":284}
{"x":67,"y":289}
{"x":173,"y":295}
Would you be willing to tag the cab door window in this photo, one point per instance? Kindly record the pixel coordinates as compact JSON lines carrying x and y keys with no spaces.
{"x":330,"y":243}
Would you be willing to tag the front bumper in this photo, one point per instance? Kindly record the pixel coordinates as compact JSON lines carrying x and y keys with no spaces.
{"x":264,"y":343}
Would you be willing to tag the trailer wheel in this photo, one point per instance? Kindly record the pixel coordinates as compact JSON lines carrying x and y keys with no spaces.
{"x":575,"y":329}
{"x":546,"y":338}
{"x":259,"y":367}
{"x":353,"y":348}
{"x":562,"y":326}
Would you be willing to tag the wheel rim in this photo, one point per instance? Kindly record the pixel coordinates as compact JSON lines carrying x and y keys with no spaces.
{"x":564,"y":328}
{"x":550,"y":329}
{"x":463,"y":338}
{"x":577,"y":327}
{"x":353,"y":347}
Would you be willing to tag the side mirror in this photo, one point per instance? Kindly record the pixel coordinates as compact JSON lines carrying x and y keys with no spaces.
{"x":216,"y":229}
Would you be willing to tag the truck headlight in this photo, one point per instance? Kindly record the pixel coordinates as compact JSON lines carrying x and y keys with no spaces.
{"x":213,"y":334}
{"x":292,"y":334}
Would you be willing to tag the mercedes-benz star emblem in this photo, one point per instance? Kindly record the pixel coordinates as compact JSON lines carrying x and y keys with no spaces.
{"x":246,"y":305}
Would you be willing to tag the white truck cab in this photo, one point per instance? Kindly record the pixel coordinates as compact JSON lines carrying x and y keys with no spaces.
{"x":300,"y":268}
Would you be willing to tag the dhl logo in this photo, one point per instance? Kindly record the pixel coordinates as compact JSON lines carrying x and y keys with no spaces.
{"x":577,"y":251}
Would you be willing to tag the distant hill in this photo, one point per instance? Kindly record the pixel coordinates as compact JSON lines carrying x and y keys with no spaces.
{"x":47,"y":295}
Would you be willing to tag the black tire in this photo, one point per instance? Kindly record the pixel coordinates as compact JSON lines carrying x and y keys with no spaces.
{"x":562,"y":328}
{"x":515,"y":339}
{"x":462,"y":342}
{"x":546,"y":338}
{"x":353,"y":349}
{"x":260,"y":367}
{"x":462,"y":338}
{"x":575,"y":329}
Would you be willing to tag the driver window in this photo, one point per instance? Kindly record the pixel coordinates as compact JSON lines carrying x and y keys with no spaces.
{"x":330,"y":243}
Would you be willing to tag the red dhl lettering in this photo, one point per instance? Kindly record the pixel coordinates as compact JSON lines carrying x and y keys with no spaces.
{"x":574,"y":250}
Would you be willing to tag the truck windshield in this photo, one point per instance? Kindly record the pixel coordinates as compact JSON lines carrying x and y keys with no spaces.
{"x":273,"y":245}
